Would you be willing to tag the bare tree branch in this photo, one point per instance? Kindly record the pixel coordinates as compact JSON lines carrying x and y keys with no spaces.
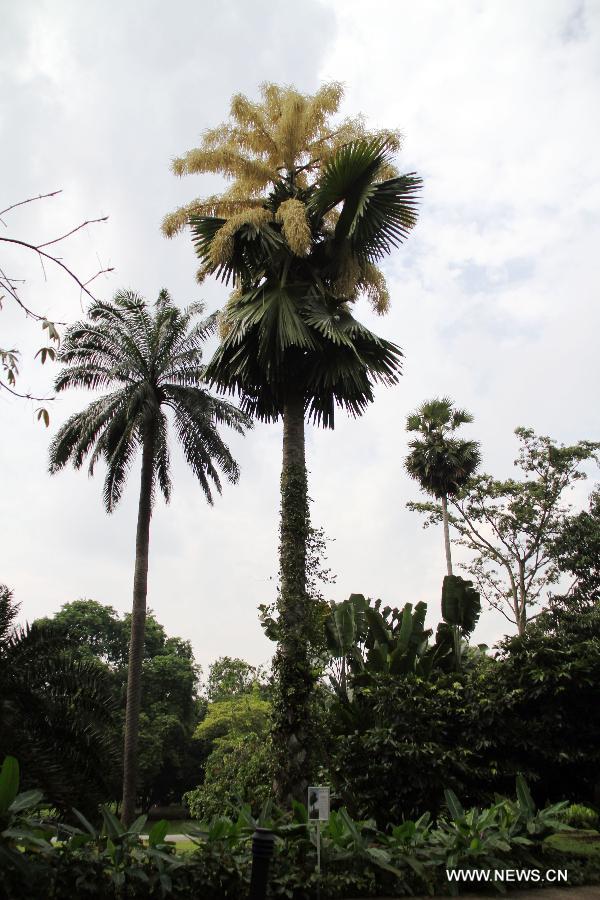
{"x":73,"y":230}
{"x":55,"y":259}
{"x":4,"y":385}
{"x":29,"y":200}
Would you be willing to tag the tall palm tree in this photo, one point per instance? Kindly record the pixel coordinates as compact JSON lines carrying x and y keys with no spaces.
{"x":153,"y":362}
{"x":311,"y":211}
{"x":440,"y":463}
{"x":57,"y":713}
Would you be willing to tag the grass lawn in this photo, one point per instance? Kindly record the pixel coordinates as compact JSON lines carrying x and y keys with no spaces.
{"x":184,"y":847}
{"x":181,"y":826}
{"x":580,"y":843}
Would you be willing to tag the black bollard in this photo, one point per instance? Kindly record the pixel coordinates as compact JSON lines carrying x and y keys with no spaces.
{"x":263,"y":845}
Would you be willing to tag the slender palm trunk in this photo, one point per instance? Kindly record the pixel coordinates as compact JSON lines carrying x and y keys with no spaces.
{"x":295,"y":681}
{"x":446,"y":535}
{"x":138,"y":628}
{"x":455,"y":629}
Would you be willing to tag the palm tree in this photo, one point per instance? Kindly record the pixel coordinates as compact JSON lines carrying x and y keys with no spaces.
{"x":153,"y":362}
{"x":441,"y":464}
{"x":57,"y":713}
{"x":311,"y":211}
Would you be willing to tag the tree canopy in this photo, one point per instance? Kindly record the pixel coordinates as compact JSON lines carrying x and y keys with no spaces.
{"x":169,"y":758}
{"x":509,"y":525}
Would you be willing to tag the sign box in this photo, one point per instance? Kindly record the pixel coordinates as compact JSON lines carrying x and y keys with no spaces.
{"x":318,"y":804}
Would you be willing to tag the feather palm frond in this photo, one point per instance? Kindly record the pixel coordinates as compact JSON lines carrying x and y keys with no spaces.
{"x":151,"y":359}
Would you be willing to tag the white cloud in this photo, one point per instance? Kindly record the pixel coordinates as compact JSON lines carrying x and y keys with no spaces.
{"x":494,"y":295}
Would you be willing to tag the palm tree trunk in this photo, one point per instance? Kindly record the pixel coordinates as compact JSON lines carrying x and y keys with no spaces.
{"x":446,"y":535}
{"x":138,"y":628}
{"x":295,"y":681}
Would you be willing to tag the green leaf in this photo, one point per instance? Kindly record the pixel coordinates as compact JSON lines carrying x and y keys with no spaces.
{"x":158,"y":832}
{"x":454,"y":805}
{"x":112,"y":827}
{"x":406,"y":627}
{"x":137,"y":826}
{"x":9,"y":783}
{"x":86,"y":824}
{"x":524,"y":796}
{"x":26,"y":800}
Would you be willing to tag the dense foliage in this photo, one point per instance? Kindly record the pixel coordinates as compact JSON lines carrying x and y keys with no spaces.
{"x":235,"y":735}
{"x":510,"y":526}
{"x":170,"y":759}
{"x":356,"y":858}
{"x":533,"y":710}
{"x":57,"y":711}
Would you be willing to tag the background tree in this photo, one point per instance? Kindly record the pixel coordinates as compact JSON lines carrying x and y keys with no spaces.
{"x":95,"y":629}
{"x":576,"y":550}
{"x":235,"y":736}
{"x":440,"y":463}
{"x":510,"y":525}
{"x":169,"y":758}
{"x":57,"y":712}
{"x":311,"y":210}
{"x":229,"y":677}
{"x":154,"y":362}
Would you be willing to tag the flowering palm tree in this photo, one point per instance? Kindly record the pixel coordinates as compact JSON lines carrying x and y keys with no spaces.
{"x":153,"y":363}
{"x":311,"y":211}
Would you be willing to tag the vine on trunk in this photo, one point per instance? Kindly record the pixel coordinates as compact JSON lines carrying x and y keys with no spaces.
{"x":295,"y":675}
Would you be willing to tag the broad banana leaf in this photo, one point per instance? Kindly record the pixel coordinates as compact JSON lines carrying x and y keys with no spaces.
{"x":461,"y":603}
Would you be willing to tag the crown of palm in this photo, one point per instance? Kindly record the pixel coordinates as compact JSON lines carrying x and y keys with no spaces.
{"x":286,"y":133}
{"x":292,"y":325}
{"x":440,"y":463}
{"x":152,"y":362}
{"x":275,"y":153}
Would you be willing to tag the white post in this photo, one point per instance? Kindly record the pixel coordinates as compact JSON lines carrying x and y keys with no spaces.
{"x":319,"y":847}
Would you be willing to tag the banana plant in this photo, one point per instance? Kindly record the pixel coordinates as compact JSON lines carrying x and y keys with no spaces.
{"x":396,"y":639}
{"x":364,"y":639}
{"x":461,"y":608}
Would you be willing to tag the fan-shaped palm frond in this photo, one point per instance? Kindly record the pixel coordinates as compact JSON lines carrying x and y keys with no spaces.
{"x":440,"y":463}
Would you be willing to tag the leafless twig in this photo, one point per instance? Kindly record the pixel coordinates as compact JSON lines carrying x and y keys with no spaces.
{"x":55,"y":259}
{"x":23,"y":202}
{"x":4,"y":385}
{"x":73,"y":230}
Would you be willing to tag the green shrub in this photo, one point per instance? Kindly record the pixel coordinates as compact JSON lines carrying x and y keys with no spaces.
{"x":532,"y":710}
{"x":425,"y":736}
{"x":357,"y":859}
{"x":578,"y":816}
{"x":237,"y":772}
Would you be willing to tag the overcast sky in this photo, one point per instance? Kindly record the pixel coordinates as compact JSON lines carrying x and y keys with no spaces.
{"x":494,"y":295}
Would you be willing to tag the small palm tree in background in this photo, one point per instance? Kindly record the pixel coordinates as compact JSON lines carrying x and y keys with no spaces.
{"x":57,"y":713}
{"x":153,"y":363}
{"x":442,"y":464}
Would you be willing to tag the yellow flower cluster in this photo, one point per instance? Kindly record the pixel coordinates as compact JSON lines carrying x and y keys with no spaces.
{"x":261,"y":142}
{"x":359,"y":277}
{"x":372,"y":283}
{"x":295,"y":227}
{"x":286,"y":130}
{"x":222,"y":245}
